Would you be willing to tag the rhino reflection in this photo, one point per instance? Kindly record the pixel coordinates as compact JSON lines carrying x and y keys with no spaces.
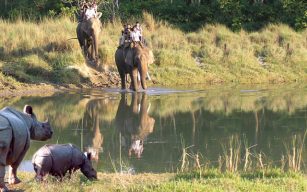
{"x":134,"y":123}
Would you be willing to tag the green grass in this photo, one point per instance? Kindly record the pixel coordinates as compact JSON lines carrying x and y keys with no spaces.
{"x":42,"y":52}
{"x":209,"y":180}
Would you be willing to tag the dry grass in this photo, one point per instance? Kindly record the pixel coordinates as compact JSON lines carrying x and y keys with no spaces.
{"x":211,"y":180}
{"x":41,"y":52}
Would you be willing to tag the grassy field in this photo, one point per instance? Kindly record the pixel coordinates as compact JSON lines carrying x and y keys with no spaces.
{"x":210,"y":180}
{"x":44,"y":52}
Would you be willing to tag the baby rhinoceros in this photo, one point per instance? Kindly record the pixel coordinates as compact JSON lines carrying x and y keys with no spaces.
{"x":57,"y":159}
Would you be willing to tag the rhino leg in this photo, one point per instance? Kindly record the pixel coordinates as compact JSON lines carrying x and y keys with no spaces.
{"x":13,"y":179}
{"x":42,"y":166}
{"x":5,"y":139}
{"x":3,"y":188}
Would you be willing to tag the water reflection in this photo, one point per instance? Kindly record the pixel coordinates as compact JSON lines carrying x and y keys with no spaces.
{"x":148,"y":132}
{"x":134,"y":123}
{"x":91,"y":120}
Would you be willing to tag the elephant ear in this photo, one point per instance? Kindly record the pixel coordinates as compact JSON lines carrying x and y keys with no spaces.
{"x":86,"y":26}
{"x":129,"y":58}
{"x":151,"y":58}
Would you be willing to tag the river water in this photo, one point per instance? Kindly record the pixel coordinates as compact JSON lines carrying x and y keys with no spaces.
{"x":162,"y":130}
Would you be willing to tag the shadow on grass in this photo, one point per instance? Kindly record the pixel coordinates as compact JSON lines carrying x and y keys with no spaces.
{"x":40,"y":65}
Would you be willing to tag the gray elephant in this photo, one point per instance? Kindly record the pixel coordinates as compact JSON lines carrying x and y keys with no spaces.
{"x":88,"y":36}
{"x":16,"y":130}
{"x":133,"y":61}
{"x":58,"y":159}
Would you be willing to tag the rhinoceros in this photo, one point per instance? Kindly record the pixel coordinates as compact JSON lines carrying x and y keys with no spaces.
{"x":57,"y":159}
{"x":16,"y":130}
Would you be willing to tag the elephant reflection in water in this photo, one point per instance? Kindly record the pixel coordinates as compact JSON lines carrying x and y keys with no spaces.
{"x":134,"y":123}
{"x":92,"y":122}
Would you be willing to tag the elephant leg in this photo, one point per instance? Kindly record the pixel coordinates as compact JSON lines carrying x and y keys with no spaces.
{"x":92,"y":52}
{"x":85,"y":48}
{"x":134,"y":79}
{"x":131,"y":83}
{"x":123,"y":79}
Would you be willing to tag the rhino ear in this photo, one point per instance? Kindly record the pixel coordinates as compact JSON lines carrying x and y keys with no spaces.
{"x":28,"y":109}
{"x":88,"y":155}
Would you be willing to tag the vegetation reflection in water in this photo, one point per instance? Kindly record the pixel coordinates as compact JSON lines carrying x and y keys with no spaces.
{"x":228,"y":129}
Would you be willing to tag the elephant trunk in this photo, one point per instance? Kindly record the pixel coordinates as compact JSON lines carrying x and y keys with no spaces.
{"x":95,"y":46}
{"x":143,"y":69}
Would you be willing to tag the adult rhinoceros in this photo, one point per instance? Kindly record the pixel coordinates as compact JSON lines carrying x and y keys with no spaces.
{"x":16,"y":130}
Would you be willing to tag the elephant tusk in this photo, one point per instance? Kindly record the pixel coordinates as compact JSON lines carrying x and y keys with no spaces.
{"x":139,"y":76}
{"x":148,"y":107}
{"x":148,"y":76}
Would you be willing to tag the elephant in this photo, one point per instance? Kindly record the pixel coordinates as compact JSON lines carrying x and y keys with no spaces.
{"x":16,"y":130}
{"x":88,"y":36}
{"x":133,"y":61}
{"x":57,"y":159}
{"x":134,"y":122}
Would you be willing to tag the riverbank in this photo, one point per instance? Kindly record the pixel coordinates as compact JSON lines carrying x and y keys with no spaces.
{"x":45,"y":52}
{"x":210,"y":180}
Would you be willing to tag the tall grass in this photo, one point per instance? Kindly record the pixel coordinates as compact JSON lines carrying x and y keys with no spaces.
{"x":239,"y":158}
{"x":42,"y":52}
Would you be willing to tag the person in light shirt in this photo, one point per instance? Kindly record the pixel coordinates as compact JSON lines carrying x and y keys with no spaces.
{"x":135,"y":36}
{"x":139,"y":28}
{"x":90,"y":13}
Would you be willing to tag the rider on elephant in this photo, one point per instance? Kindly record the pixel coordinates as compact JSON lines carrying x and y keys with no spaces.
{"x":139,"y":28}
{"x":135,"y":37}
{"x":89,"y":10}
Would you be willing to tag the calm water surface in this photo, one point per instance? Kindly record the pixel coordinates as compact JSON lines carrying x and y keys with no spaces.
{"x":147,"y":132}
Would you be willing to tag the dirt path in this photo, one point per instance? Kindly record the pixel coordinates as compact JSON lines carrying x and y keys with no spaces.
{"x":99,"y":79}
{"x":95,"y":78}
{"x":30,"y":89}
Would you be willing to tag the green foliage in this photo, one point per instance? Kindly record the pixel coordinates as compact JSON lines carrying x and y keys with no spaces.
{"x":213,"y":54}
{"x":250,"y":15}
{"x":66,"y":76}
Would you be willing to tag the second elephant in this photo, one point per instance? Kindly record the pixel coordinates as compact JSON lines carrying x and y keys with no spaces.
{"x":88,"y":36}
{"x":133,"y":61}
